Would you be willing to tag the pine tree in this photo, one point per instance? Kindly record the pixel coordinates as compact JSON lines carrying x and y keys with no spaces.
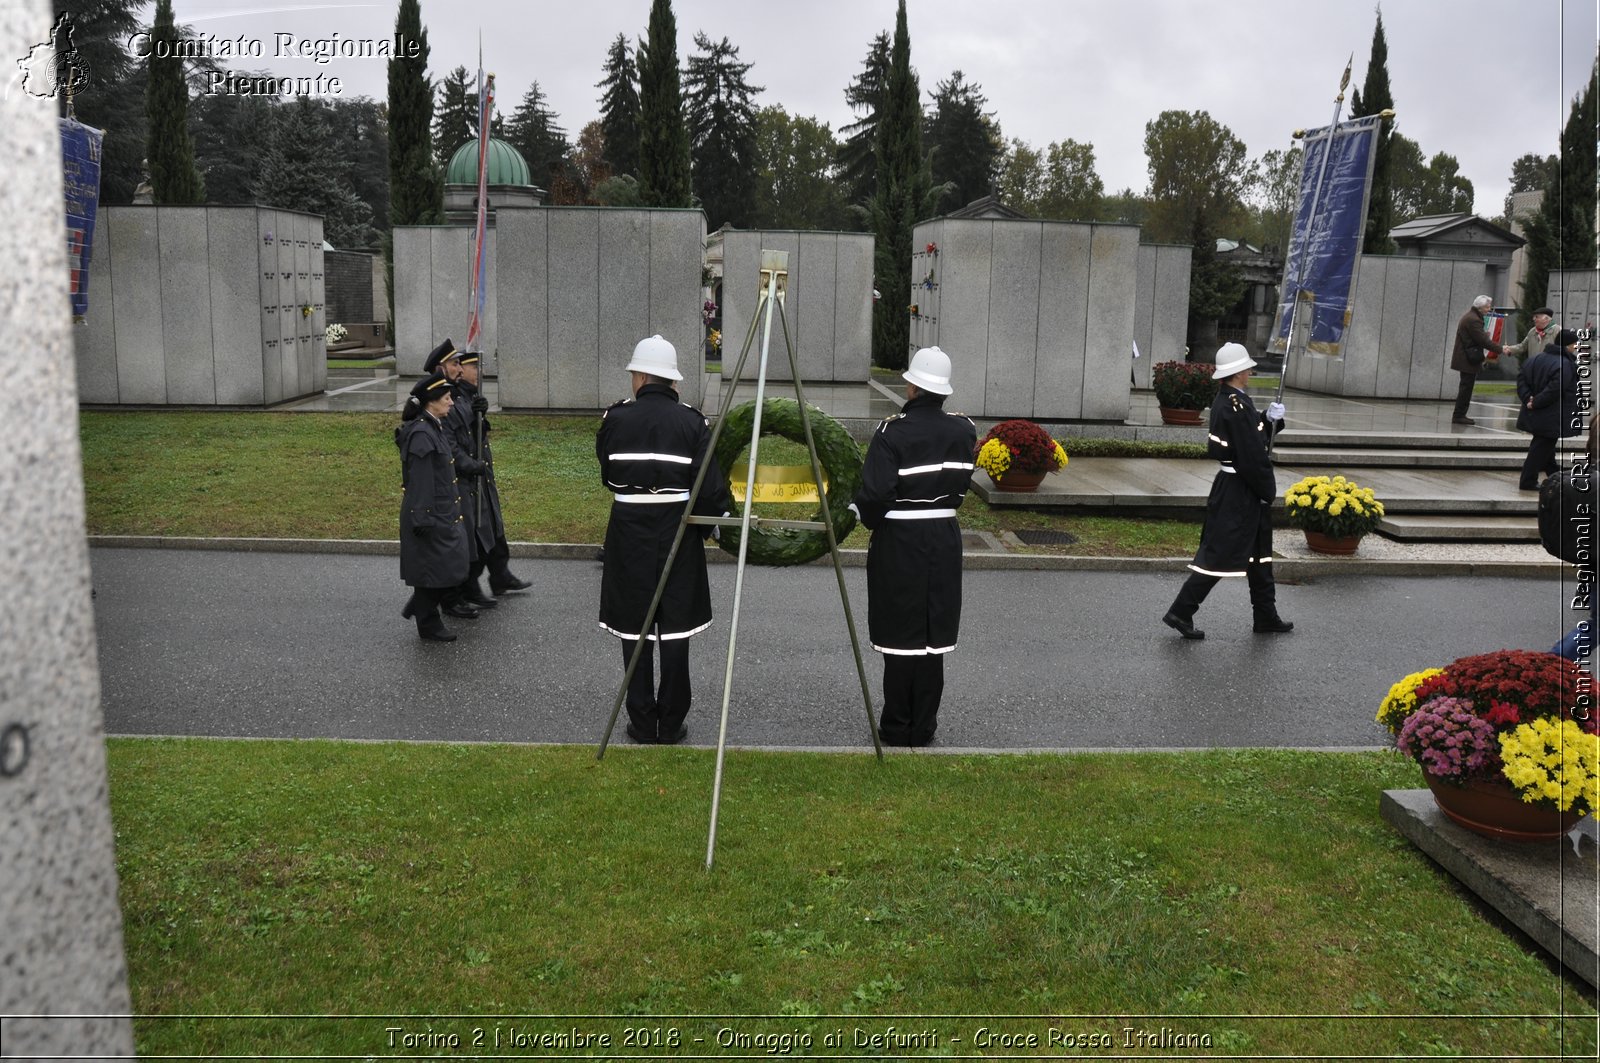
{"x":305,"y":167}
{"x":534,"y":131}
{"x":901,"y":200}
{"x":965,"y":141}
{"x":664,"y":168}
{"x":619,"y":109}
{"x":722,"y":132}
{"x":1373,"y":98}
{"x":170,"y":151}
{"x":1561,"y":234}
{"x":455,"y":119}
{"x":857,"y":157}
{"x":114,"y":97}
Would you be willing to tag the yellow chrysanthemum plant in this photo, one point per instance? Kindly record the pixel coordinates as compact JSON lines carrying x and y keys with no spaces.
{"x":1332,"y":506}
{"x":1554,"y":762}
{"x":1401,"y":701}
{"x":1021,"y":446}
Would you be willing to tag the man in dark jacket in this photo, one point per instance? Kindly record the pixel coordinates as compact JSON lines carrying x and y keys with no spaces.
{"x":469,"y":426}
{"x":1237,"y":537}
{"x":915,"y":475}
{"x":433,"y":541}
{"x":651,"y":448}
{"x":1547,"y":398}
{"x":1467,"y":356}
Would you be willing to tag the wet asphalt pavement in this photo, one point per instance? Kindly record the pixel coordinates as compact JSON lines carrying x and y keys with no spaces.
{"x":281,"y":645}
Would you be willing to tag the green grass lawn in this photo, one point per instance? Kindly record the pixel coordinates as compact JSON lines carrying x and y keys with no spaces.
{"x":337,"y":476}
{"x":1191,"y":891}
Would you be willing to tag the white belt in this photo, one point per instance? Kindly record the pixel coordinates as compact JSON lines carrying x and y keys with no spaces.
{"x":658,"y":497}
{"x":919,"y":514}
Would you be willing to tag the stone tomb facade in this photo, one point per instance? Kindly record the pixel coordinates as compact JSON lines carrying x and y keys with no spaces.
{"x":1038,"y":317}
{"x":827,"y":304}
{"x":1400,"y":332}
{"x":203,"y":306}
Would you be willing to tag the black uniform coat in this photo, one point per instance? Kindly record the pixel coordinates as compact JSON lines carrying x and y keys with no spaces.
{"x":651,"y":447}
{"x":919,"y":461}
{"x":1238,"y":528}
{"x":476,"y":471}
{"x":1550,"y":379}
{"x":432,"y":501}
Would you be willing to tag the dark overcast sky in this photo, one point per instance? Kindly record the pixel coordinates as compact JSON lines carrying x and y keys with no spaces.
{"x":1485,"y":80}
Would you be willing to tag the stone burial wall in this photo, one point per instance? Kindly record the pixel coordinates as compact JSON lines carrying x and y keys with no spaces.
{"x":203,"y":306}
{"x":1574,"y":294}
{"x":1399,"y":332}
{"x":570,"y":291}
{"x":827,"y":304}
{"x":1037,"y":316}
{"x":62,"y":955}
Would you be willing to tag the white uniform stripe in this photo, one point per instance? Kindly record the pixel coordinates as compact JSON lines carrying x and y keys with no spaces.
{"x":919,"y":514}
{"x":912,"y":653}
{"x":1217,"y":440}
{"x":670,"y":636}
{"x":673,"y":458}
{"x":656,"y":498}
{"x":920,"y":469}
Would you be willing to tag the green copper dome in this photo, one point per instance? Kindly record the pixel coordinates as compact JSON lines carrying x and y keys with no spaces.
{"x":506,"y":165}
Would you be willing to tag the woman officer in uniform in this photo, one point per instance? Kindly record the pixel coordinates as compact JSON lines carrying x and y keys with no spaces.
{"x":433,"y":538}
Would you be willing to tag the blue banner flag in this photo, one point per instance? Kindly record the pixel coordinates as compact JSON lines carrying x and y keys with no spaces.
{"x":80,"y":172}
{"x":1329,"y":224}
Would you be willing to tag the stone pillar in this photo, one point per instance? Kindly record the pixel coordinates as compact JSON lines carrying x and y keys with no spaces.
{"x":62,"y":953}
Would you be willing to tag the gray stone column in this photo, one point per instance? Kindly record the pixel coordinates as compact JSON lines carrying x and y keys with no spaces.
{"x":61,"y":928}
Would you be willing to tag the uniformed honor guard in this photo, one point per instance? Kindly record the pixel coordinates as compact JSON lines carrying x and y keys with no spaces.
{"x":916,"y":474}
{"x":1237,"y":537}
{"x":433,"y":540}
{"x":651,"y":448}
{"x":468,"y":426}
{"x":442,"y":360}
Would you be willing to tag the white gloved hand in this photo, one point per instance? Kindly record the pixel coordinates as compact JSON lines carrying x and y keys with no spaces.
{"x":1275,"y":411}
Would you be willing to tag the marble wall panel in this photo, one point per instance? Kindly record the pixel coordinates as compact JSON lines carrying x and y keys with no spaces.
{"x":234,"y":267}
{"x":136,"y":297}
{"x":1014,"y":340}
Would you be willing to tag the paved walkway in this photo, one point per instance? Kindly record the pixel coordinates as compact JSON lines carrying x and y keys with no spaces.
{"x":287,"y":645}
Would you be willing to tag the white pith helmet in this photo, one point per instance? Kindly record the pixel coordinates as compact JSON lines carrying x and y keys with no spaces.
{"x":1232,"y":358}
{"x":929,"y":370}
{"x":657,"y":357}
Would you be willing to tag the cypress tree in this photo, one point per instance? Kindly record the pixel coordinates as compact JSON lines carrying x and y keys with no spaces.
{"x":416,"y":188}
{"x":1373,"y":98}
{"x":169,"y":149}
{"x":857,"y":154}
{"x":663,"y":133}
{"x":1561,"y":235}
{"x":619,"y":109}
{"x":900,"y":199}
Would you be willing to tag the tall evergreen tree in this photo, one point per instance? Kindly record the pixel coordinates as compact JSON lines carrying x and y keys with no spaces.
{"x":722,"y":132}
{"x":965,"y":141}
{"x":170,"y":154}
{"x":306,"y":168}
{"x":455,"y":117}
{"x":231,"y":132}
{"x":535,"y":131}
{"x":619,"y":109}
{"x":858,"y":151}
{"x":1373,"y":98}
{"x":900,"y":201}
{"x":416,"y":190}
{"x":1561,"y":235}
{"x":664,"y":168}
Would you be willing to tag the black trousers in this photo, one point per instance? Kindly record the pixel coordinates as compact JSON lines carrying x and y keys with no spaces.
{"x":1263,"y":592}
{"x":658,"y":710}
{"x":424,"y":606}
{"x":1464,"y":394}
{"x":912,"y":688}
{"x":498,"y":562}
{"x":1541,"y":459}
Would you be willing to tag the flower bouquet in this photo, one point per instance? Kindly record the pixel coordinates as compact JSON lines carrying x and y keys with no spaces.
{"x":1185,"y":386}
{"x":1335,"y":513}
{"x":1017,"y":454}
{"x":1500,"y":730}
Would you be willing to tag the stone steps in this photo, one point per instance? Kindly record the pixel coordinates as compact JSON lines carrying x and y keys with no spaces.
{"x":1458,"y":528}
{"x":1409,"y":457}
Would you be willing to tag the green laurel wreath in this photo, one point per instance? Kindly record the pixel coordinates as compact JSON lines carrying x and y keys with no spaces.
{"x":841,"y":464}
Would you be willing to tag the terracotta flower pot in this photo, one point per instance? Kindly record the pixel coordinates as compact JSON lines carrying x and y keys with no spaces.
{"x":1338,"y":545}
{"x":1016,"y":480}
{"x":1494,"y":810}
{"x":1173,"y":415}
